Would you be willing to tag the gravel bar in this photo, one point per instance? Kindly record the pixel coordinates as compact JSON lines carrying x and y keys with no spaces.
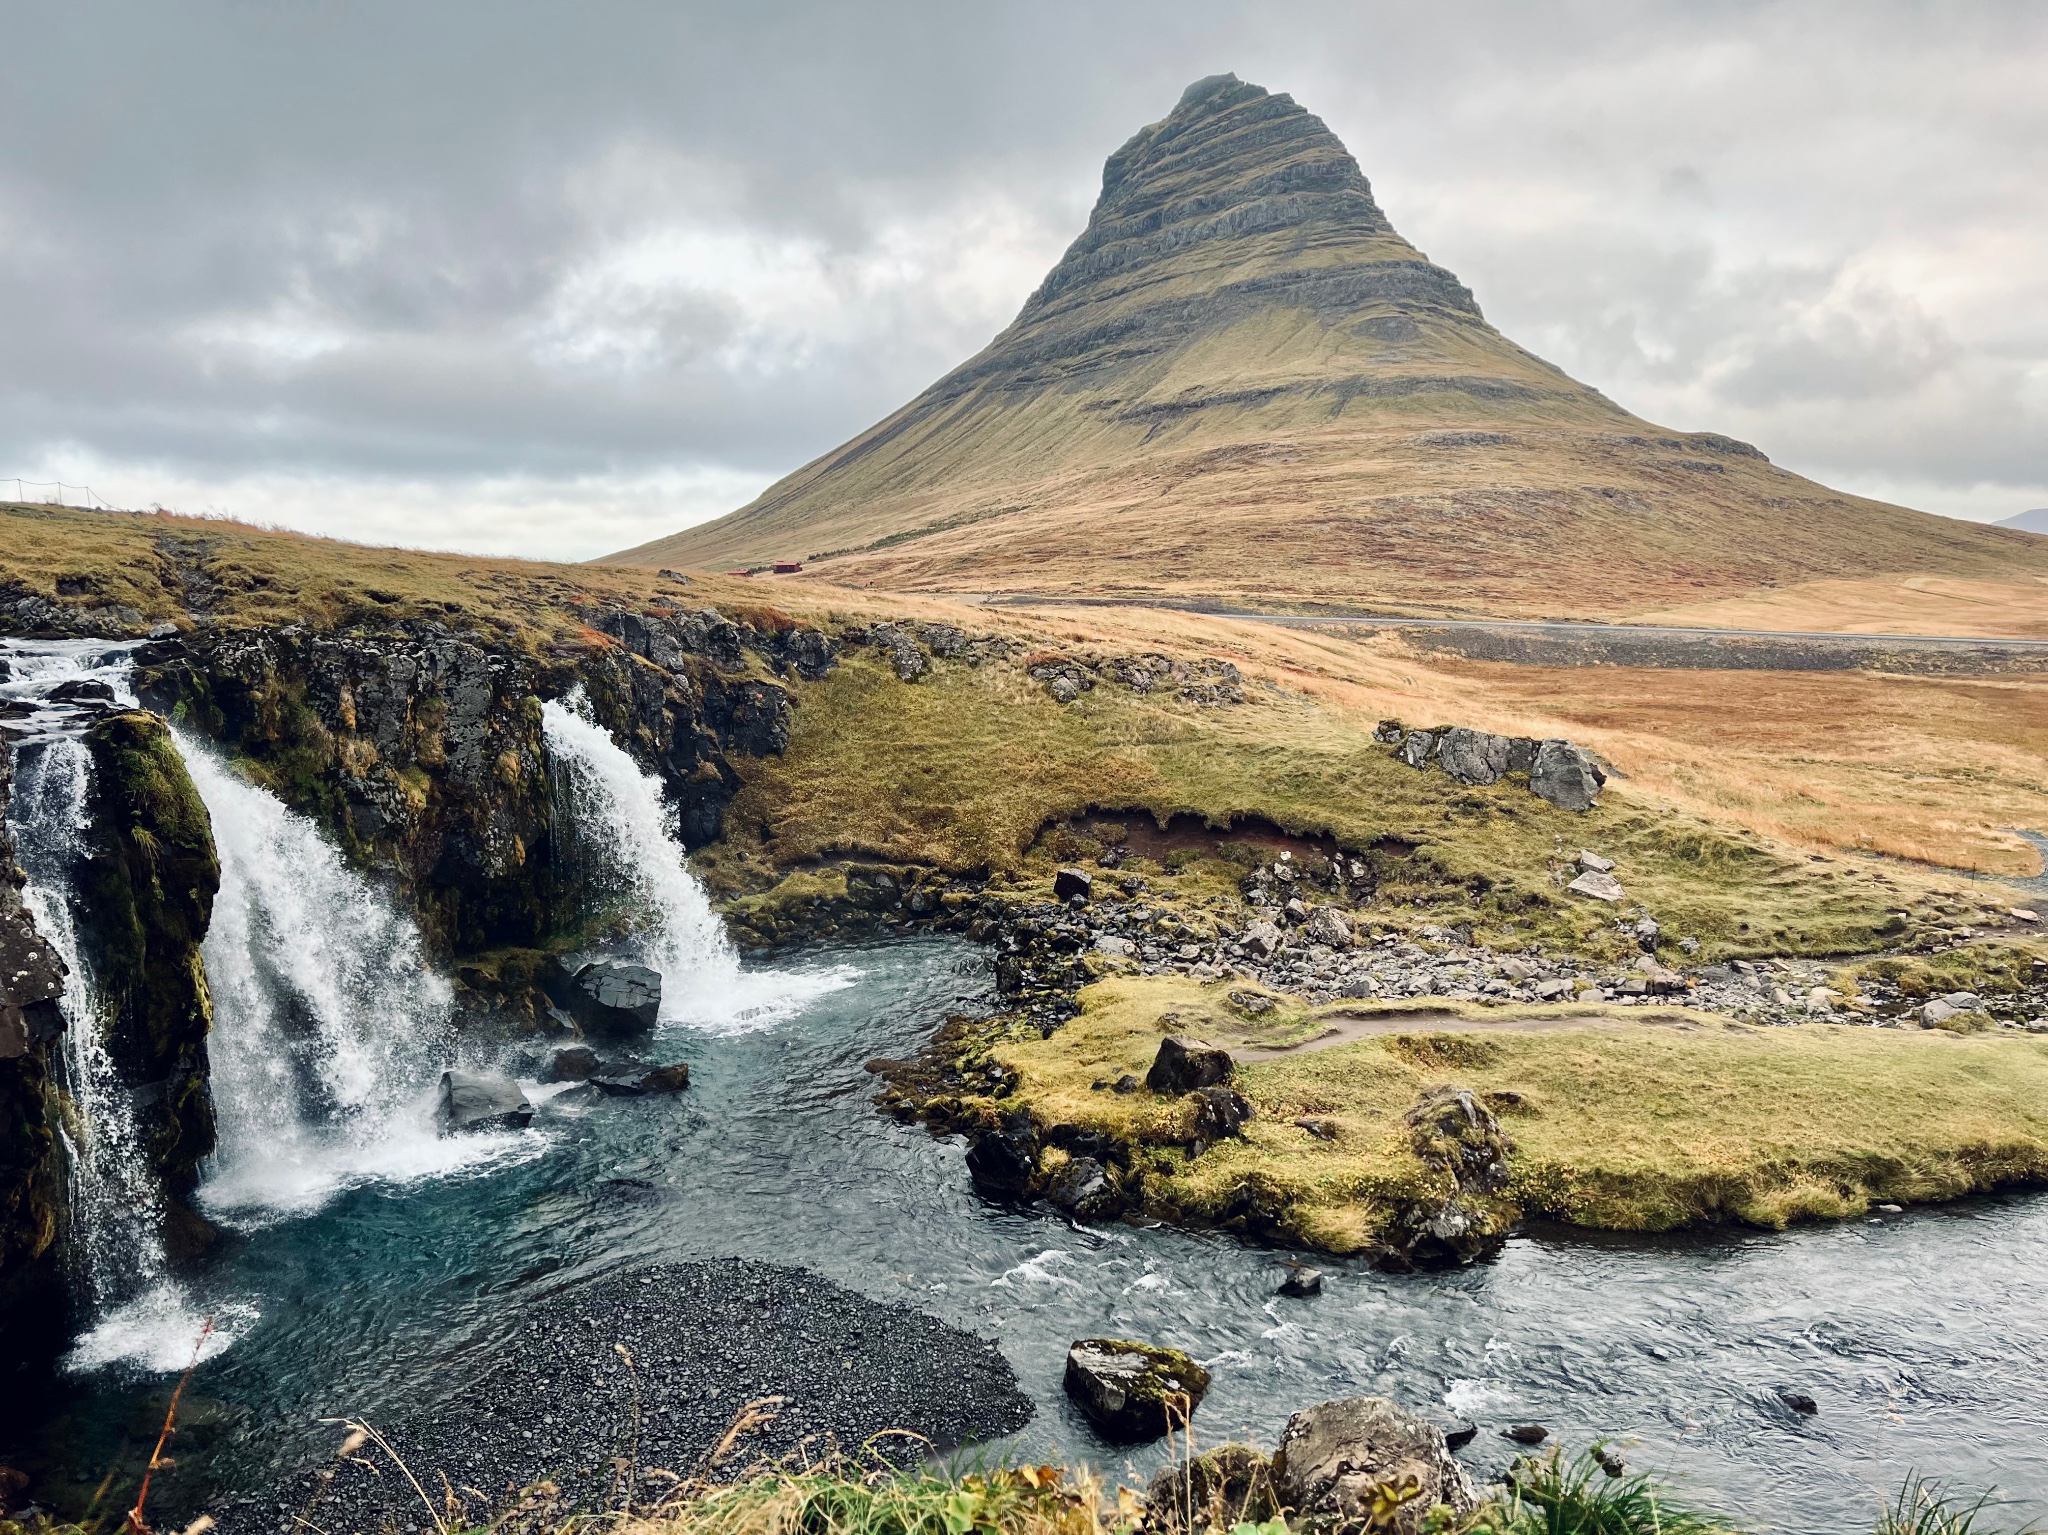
{"x":556,"y":1401}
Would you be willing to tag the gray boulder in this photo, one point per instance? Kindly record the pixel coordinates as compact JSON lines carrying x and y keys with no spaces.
{"x":472,"y":1101}
{"x":1417,"y":748}
{"x":1262,"y":935}
{"x":1566,"y":776}
{"x":1601,"y":887}
{"x":1365,"y":1464}
{"x":1068,"y":883}
{"x":1327,"y":925}
{"x":1183,"y":1065}
{"x":1133,"y":1392}
{"x":1521,"y":753}
{"x":1473,"y":756}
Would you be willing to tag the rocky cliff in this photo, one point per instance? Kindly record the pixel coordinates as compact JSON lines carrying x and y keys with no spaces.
{"x":419,"y":748}
{"x":147,"y":887}
{"x":31,"y":981}
{"x":1240,"y":383}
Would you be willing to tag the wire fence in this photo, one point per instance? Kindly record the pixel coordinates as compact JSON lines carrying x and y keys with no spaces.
{"x":90,"y":497}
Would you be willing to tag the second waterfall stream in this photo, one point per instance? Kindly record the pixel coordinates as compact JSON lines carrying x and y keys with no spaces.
{"x":613,"y":819}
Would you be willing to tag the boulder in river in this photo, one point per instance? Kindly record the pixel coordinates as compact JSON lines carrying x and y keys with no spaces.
{"x":571,"y":1063}
{"x":1133,"y":1392}
{"x":1003,"y":1163}
{"x":474,"y":1100}
{"x":1184,"y":1064}
{"x":607,"y":997}
{"x":1362,"y":1464}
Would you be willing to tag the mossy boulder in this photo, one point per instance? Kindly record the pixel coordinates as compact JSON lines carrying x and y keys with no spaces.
{"x":148,"y":885}
{"x":1133,"y":1392}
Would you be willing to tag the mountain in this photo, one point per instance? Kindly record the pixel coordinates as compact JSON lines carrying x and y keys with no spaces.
{"x":1241,"y":385}
{"x":2035,"y":521}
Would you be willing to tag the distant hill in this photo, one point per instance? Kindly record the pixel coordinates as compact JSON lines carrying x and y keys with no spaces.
{"x":1240,"y":385}
{"x":2035,"y":521}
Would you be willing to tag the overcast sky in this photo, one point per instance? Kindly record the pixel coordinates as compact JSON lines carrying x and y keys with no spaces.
{"x":555,"y":278}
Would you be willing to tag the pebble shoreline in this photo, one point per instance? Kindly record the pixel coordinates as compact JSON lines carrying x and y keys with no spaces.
{"x":557,"y":1401}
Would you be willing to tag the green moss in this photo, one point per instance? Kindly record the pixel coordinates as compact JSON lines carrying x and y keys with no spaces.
{"x":149,"y":888}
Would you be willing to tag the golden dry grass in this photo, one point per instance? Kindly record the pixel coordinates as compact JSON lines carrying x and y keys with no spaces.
{"x":1928,"y":769}
{"x":1622,"y":1124}
{"x":1920,"y":604}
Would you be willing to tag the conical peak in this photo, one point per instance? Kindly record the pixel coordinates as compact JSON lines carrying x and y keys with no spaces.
{"x":1230,"y":160}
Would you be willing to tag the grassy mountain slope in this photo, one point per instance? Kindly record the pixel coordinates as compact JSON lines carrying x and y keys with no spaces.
{"x":1241,"y":383}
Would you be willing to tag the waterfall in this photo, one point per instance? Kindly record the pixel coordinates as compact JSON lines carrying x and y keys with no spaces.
{"x":330,"y":1029}
{"x":615,"y":823}
{"x":116,"y":1249}
{"x":114,"y":1241}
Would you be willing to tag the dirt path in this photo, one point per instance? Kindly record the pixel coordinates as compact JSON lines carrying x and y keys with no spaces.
{"x":1348,"y":1028}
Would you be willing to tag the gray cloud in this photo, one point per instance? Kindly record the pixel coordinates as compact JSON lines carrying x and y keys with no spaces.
{"x":554,"y":278}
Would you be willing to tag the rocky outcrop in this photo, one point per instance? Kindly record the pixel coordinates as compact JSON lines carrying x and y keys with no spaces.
{"x":418,"y":749}
{"x":1567,"y":776}
{"x":147,"y":890}
{"x":1466,"y":1213}
{"x":421,"y":749}
{"x":1364,"y":1464}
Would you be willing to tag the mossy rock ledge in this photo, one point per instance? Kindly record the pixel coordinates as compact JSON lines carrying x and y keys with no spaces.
{"x":148,"y":886}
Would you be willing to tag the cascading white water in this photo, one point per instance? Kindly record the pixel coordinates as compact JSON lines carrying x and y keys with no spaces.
{"x":330,"y":1030}
{"x":624,"y":833}
{"x":115,"y":1246}
{"x":114,"y":1239}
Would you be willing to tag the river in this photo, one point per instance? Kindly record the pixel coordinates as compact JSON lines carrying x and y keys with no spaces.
{"x":378,"y":1269}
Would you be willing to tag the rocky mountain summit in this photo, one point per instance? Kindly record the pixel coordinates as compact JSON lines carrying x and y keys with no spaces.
{"x":1240,"y":383}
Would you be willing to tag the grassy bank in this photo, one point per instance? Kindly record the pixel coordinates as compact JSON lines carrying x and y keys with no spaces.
{"x":964,"y":769}
{"x":1625,"y":1119}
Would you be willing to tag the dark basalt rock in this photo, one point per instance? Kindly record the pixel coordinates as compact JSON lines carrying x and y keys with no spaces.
{"x":1004,"y":1163}
{"x":608,"y":998}
{"x":1183,"y":1065}
{"x":1220,"y":1112}
{"x":473,"y":1101}
{"x":1069,"y":883}
{"x":1468,"y":1216}
{"x":1362,"y":1464}
{"x":1133,"y":1392}
{"x":571,"y":1063}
